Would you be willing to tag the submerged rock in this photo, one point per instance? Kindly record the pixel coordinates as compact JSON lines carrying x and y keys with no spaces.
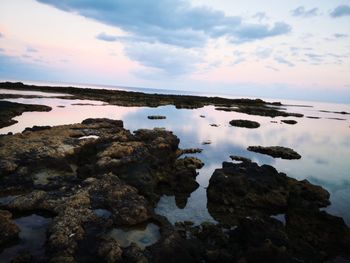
{"x":245,"y":124}
{"x":276,"y":152}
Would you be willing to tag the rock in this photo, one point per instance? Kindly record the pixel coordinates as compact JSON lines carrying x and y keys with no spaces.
{"x":239,"y":158}
{"x":292,"y":122}
{"x":110,"y":250}
{"x":27,"y":202}
{"x":276,"y":152}
{"x":246,"y":189}
{"x":190,"y":150}
{"x":8,"y":110}
{"x":313,"y":117}
{"x":206,"y":142}
{"x":156,"y":117}
{"x":9,"y":230}
{"x":214,"y":125}
{"x":37,"y":128}
{"x":245,"y":124}
{"x":202,"y":116}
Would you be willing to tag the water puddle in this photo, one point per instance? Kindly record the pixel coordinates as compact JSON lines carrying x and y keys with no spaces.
{"x":31,"y":238}
{"x":143,"y":235}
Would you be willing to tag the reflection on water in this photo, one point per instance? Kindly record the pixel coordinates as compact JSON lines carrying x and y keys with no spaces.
{"x":324,"y":144}
{"x":32,"y":238}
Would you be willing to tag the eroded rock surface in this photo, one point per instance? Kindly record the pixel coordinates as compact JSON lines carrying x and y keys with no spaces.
{"x":54,"y":170}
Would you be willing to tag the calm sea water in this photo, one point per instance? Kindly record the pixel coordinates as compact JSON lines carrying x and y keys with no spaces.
{"x":323,"y":143}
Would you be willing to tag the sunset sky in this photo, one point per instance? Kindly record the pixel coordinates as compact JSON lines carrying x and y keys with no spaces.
{"x":280,"y":49}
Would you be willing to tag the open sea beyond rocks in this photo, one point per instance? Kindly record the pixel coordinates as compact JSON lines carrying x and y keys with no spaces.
{"x":95,"y":175}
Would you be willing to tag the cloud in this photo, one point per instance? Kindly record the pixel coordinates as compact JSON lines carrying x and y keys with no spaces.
{"x":105,"y":37}
{"x":260,"y":16}
{"x":302,"y":12}
{"x":171,"y":22}
{"x":263,"y":53}
{"x":250,"y":32}
{"x":341,"y":36}
{"x":339,"y":11}
{"x":281,"y":60}
{"x":169,"y":60}
{"x":31,"y":50}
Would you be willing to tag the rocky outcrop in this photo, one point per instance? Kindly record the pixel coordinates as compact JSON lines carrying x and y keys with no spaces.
{"x":276,"y":152}
{"x":245,"y":124}
{"x":70,"y":171}
{"x":247,"y":189}
{"x":8,"y":110}
{"x":245,"y":195}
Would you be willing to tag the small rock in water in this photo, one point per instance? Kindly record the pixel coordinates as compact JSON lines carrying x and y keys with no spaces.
{"x":206,"y":142}
{"x":245,"y":124}
{"x":202,"y":116}
{"x":156,"y":117}
{"x":214,"y":125}
{"x":292,"y":122}
{"x":276,"y":152}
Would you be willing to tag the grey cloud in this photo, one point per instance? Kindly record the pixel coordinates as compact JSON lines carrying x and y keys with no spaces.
{"x":281,"y":60}
{"x":341,"y":10}
{"x":341,"y":35}
{"x":302,"y":12}
{"x":105,"y":37}
{"x":170,"y":22}
{"x":263,"y":53}
{"x":31,"y":50}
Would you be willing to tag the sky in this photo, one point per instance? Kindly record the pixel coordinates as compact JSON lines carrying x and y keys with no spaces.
{"x":296,"y":49}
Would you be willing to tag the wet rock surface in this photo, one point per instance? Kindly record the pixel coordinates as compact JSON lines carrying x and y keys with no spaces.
{"x":243,"y":196}
{"x":245,"y":124}
{"x":8,"y":110}
{"x":51,"y":170}
{"x":276,"y":152}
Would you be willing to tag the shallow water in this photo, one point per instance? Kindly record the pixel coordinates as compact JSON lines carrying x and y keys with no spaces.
{"x":324,"y":143}
{"x":31,"y":238}
{"x":143,"y":235}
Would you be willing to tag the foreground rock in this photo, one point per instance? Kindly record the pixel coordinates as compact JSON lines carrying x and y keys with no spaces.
{"x":246,"y":195}
{"x":8,"y":110}
{"x":276,"y":152}
{"x":245,"y":124}
{"x":71,"y":171}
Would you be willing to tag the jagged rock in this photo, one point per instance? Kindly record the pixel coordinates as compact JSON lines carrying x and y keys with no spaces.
{"x":110,"y":250}
{"x":246,"y":189}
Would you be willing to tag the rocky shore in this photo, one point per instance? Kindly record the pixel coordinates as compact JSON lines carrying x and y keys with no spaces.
{"x":98,"y":185}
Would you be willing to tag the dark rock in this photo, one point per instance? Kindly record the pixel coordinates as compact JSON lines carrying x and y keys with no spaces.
{"x":214,"y":125}
{"x":276,"y":152}
{"x":239,"y":158}
{"x":206,"y":142}
{"x":246,"y":189}
{"x":8,"y":110}
{"x":292,"y":122}
{"x":313,"y":117}
{"x":245,"y":124}
{"x":9,"y":230}
{"x":36,"y":128}
{"x":190,"y":150}
{"x":156,"y":117}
